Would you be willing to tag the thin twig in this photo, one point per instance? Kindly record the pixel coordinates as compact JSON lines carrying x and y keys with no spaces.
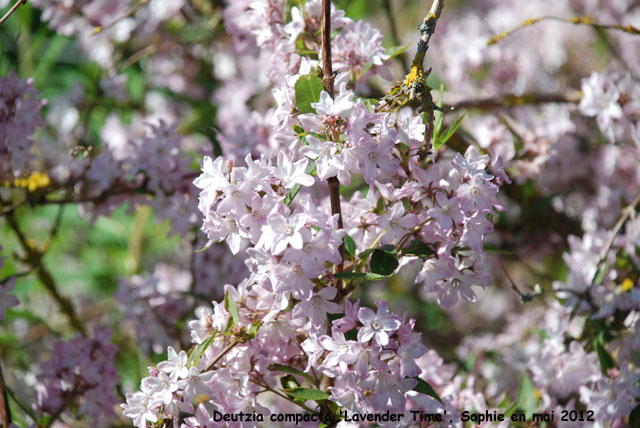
{"x":523,"y":297}
{"x":33,"y":257}
{"x":417,"y":78}
{"x":127,"y":14}
{"x":626,"y":213}
{"x":15,"y":275}
{"x":5,"y":411}
{"x":327,"y":82}
{"x":512,"y":100}
{"x":629,"y":29}
{"x":20,"y":404}
{"x":13,"y":9}
{"x":394,"y":33}
{"x":222,"y":354}
{"x":63,"y":406}
{"x":279,"y":394}
{"x":56,"y":226}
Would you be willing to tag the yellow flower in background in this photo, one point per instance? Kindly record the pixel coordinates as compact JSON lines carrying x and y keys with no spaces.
{"x":37,"y":180}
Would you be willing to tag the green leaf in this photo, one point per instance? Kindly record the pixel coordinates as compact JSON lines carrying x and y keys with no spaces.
{"x":304,"y":394}
{"x":419,"y":248}
{"x":289,"y":382}
{"x":288,"y":369}
{"x":512,"y":408}
{"x":13,"y":314}
{"x":231,"y":307}
{"x":361,"y":276}
{"x":448,"y":134}
{"x":606,"y":360}
{"x":397,"y":50}
{"x":389,"y":248}
{"x":424,"y":388}
{"x":383,"y":262}
{"x":307,"y":90}
{"x":197,"y":352}
{"x":527,"y":398}
{"x":9,"y":340}
{"x":253,"y":330}
{"x":349,"y":246}
{"x":600,"y":274}
{"x":439,"y":118}
{"x":294,"y":191}
{"x":365,"y":254}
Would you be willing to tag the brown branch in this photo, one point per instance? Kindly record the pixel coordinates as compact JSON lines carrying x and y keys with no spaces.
{"x":5,"y":411}
{"x":327,"y":81}
{"x":13,"y":9}
{"x":511,"y":100}
{"x":426,"y":29}
{"x":222,"y":354}
{"x":33,"y":257}
{"x":578,"y":20}
{"x":327,"y":68}
{"x":127,"y":14}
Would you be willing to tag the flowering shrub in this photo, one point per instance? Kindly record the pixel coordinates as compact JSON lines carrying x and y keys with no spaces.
{"x":342,"y":237}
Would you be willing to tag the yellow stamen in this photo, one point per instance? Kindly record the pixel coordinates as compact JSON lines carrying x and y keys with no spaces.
{"x":627,"y":284}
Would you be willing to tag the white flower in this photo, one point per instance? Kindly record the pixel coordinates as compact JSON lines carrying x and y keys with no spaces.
{"x":195,"y":384}
{"x":600,"y":100}
{"x":160,"y":387}
{"x":292,"y":173}
{"x":342,"y":105}
{"x":377,"y":324}
{"x":176,"y":365}
{"x":141,"y":408}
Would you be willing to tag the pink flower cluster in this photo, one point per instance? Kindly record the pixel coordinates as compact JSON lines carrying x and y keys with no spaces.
{"x":19,"y":117}
{"x":80,"y":371}
{"x":274,"y":210}
{"x":286,"y":337}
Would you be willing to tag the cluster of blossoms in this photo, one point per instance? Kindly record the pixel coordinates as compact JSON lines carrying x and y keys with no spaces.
{"x":273,"y":211}
{"x":152,"y":306}
{"x":287,"y":338}
{"x":569,"y":367}
{"x":374,"y":371}
{"x":151,"y":170}
{"x":566,"y":374}
{"x":268,"y":37}
{"x":19,"y":117}
{"x":80,"y":371}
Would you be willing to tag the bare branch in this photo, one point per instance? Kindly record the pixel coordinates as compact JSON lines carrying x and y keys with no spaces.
{"x":416,"y":80}
{"x":511,"y":100}
{"x":13,"y":9}
{"x":5,"y":411}
{"x":33,"y":257}
{"x":578,"y":20}
{"x":327,"y":81}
